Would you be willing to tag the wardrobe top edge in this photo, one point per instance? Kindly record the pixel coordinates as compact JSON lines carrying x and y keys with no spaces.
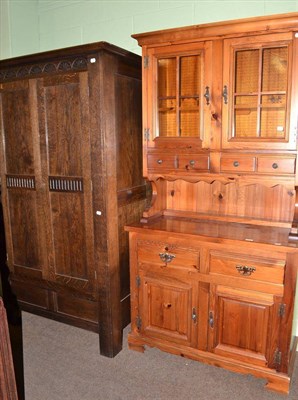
{"x":79,"y":50}
{"x":264,"y":24}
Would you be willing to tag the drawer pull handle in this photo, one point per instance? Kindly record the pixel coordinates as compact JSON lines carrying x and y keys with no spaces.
{"x":245,"y":270}
{"x":166,"y":257}
{"x":194,"y":315}
{"x":211,"y":319}
{"x":192,"y":162}
{"x":236,"y":164}
{"x":159,"y":161}
{"x":225,"y":94}
{"x":207,"y":95}
{"x":275,"y":165}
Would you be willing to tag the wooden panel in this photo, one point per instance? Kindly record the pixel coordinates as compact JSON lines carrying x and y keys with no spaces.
{"x":128,"y":118}
{"x":25,"y":228}
{"x":167,"y":307}
{"x":69,"y":235}
{"x":250,"y":268}
{"x":64,"y":125}
{"x":65,"y":146}
{"x":160,"y":162}
{"x":243,"y":325}
{"x":77,"y":307}
{"x":31,"y":294}
{"x":169,"y":255}
{"x":237,"y":163}
{"x":17,"y":127}
{"x":250,"y":201}
{"x":276,"y":165}
{"x":194,"y":163}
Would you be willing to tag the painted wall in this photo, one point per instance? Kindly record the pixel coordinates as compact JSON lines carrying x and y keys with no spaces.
{"x":31,"y":26}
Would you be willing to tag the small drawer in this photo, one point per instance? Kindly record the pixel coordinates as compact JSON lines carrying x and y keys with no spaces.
{"x":266,"y":270}
{"x":160,"y":162}
{"x":189,"y":162}
{"x":169,"y":255}
{"x":236,"y":163}
{"x":276,"y":165}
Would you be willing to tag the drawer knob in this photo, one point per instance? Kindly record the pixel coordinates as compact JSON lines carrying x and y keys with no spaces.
{"x":166,"y":257}
{"x":275,"y":165}
{"x":245,"y":270}
{"x":159,"y":161}
{"x":236,"y":163}
{"x":192,"y":162}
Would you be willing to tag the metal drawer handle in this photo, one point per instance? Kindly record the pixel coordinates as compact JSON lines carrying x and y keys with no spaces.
{"x":236,"y":163}
{"x":275,"y":165}
{"x":207,"y":95}
{"x":211,"y":319}
{"x":159,"y":161}
{"x":166,"y":257}
{"x":192,"y":162}
{"x":245,"y":270}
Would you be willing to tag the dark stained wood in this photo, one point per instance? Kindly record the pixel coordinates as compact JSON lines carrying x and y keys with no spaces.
{"x":71,"y":164}
{"x":213,"y":260}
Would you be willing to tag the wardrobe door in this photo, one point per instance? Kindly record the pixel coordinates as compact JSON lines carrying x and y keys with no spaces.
{"x":66,"y":170}
{"x":21,"y":179}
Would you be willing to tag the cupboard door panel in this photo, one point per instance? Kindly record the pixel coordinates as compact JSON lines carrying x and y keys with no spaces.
{"x":257,"y":75}
{"x":180,"y":103}
{"x":17,"y":128}
{"x":243,"y":325}
{"x":168,"y":309}
{"x":24,"y":229}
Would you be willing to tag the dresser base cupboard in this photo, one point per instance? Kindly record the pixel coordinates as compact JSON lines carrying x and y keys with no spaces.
{"x":71,"y":179}
{"x":213,"y":260}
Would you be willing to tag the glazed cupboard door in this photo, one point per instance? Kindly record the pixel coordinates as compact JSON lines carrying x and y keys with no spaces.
{"x":244,"y":325}
{"x":259,"y":85}
{"x":66,"y":170}
{"x":21,"y":181}
{"x":178,"y":84}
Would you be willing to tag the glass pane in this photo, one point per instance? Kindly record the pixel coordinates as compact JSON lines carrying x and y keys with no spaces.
{"x":190,"y":117}
{"x":245,"y":122}
{"x":167,"y":77}
{"x":167,"y":118}
{"x":190,"y":72}
{"x":245,"y":116}
{"x":274,"y":69}
{"x":274,"y":100}
{"x":167,"y":97}
{"x":246,"y":71}
{"x":273,"y":122}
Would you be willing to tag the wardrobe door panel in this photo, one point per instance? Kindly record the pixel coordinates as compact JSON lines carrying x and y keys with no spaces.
{"x":20,"y":177}
{"x":66,"y":147}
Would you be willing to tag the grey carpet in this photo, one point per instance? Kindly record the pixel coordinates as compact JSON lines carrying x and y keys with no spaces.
{"x":63,"y":363}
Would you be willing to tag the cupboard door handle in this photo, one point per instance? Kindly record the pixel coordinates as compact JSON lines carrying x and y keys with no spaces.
{"x":245,"y":270}
{"x":225,"y":94}
{"x":194,"y":315}
{"x":166,"y":257}
{"x":211,"y":319}
{"x":275,"y":165}
{"x":207,"y":95}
